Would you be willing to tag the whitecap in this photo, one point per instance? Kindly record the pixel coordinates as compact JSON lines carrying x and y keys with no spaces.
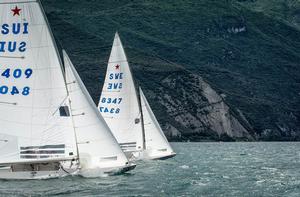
{"x":269,"y":169}
{"x":184,"y":167}
{"x":260,"y":181}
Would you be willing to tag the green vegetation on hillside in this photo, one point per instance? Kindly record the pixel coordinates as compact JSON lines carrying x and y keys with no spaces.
{"x":248,"y":50}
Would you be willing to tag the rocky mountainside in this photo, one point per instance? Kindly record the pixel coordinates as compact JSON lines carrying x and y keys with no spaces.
{"x":211,"y":69}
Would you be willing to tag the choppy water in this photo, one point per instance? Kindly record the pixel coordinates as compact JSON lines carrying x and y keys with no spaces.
{"x":199,"y":169}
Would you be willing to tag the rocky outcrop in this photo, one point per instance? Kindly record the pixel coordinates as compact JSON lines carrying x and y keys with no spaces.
{"x":197,"y":109}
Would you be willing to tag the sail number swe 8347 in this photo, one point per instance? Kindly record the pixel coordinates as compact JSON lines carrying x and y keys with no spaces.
{"x":16,"y":74}
{"x":112,"y":110}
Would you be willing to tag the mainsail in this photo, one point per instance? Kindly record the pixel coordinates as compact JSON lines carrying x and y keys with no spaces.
{"x":119,"y":103}
{"x":157,"y":145}
{"x":97,"y":146}
{"x":35,"y":119}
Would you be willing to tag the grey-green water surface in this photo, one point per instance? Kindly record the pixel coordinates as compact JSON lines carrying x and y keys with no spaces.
{"x":199,"y":169}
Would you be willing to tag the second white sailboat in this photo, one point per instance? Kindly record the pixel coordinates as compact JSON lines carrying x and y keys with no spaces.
{"x":129,"y":117}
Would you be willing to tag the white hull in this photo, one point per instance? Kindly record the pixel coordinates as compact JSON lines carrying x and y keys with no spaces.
{"x":7,"y":172}
{"x":150,"y":155}
{"x":38,"y":171}
{"x":161,"y":156}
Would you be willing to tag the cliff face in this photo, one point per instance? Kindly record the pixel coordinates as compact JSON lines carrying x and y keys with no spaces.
{"x":196,"y":110}
{"x":211,"y":70}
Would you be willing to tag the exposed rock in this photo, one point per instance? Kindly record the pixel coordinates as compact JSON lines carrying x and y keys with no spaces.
{"x":199,"y":109}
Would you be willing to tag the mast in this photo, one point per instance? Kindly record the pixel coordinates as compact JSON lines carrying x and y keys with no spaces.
{"x":71,"y":114}
{"x":142,"y":119}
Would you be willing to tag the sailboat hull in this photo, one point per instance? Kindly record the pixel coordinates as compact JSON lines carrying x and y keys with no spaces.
{"x":30,"y":175}
{"x":157,"y":155}
{"x":163,"y":157}
{"x":98,"y":172}
{"x":7,"y":173}
{"x":37,"y":171}
{"x":150,"y":155}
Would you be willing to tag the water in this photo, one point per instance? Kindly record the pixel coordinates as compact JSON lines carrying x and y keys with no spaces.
{"x":199,"y":169}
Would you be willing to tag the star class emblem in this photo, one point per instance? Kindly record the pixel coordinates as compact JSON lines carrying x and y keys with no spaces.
{"x":117,"y":67}
{"x":16,"y":11}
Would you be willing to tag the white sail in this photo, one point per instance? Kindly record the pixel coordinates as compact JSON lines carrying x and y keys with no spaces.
{"x":157,"y":145}
{"x":97,"y":146}
{"x":35,"y":120}
{"x":118,"y":103}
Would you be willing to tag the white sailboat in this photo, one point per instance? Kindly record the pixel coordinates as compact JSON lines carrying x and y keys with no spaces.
{"x":99,"y":151}
{"x":37,"y":135}
{"x":122,"y":110}
{"x":157,"y":145}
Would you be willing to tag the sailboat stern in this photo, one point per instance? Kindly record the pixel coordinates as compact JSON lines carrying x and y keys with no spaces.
{"x":103,"y":166}
{"x":159,"y":154}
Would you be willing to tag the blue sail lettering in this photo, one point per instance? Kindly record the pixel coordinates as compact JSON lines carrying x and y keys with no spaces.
{"x":5,"y":29}
{"x":109,"y":86}
{"x":3,"y":90}
{"x":12,"y":46}
{"x":14,"y":90}
{"x":111,"y":100}
{"x":109,"y":110}
{"x":2,"y":45}
{"x":117,"y":75}
{"x":116,"y":85}
{"x":108,"y":100}
{"x":22,"y":47}
{"x":16,"y":27}
{"x":25,"y":28}
{"x":120,"y":99}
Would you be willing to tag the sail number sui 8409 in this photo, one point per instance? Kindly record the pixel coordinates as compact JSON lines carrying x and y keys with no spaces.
{"x":16,"y":74}
{"x":12,"y":47}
